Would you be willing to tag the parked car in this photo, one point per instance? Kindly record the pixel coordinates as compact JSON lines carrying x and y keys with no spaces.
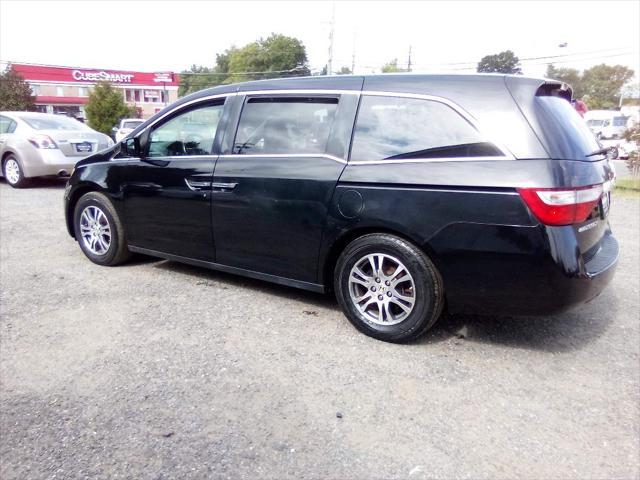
{"x":125,"y":127}
{"x":404,"y":194}
{"x":607,"y":124}
{"x":40,"y":144}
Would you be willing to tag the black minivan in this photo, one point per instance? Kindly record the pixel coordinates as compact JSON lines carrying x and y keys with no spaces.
{"x":403,"y":194}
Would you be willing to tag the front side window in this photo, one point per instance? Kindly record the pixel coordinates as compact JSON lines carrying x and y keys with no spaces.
{"x":189,"y":133}
{"x":393,"y":128}
{"x":285,"y":125}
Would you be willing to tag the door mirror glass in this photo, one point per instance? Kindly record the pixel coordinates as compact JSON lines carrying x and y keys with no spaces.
{"x":130,"y":147}
{"x":114,"y":129}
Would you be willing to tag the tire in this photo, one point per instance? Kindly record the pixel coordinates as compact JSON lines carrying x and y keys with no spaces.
{"x":382,"y":312}
{"x":614,"y":153}
{"x":13,"y":172}
{"x":93,"y":216}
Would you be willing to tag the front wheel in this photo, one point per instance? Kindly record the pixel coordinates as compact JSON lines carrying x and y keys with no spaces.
{"x":99,"y":231}
{"x":388,"y":288}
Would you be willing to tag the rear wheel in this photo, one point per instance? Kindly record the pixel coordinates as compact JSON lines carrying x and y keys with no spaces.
{"x":99,"y":231}
{"x":13,"y":172}
{"x":388,"y":288}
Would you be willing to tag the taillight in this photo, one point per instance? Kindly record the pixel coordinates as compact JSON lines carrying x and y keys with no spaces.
{"x":561,"y":206}
{"x":42,"y":141}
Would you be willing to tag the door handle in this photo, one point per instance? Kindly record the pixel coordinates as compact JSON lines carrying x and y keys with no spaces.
{"x":196,"y":185}
{"x":222,"y":186}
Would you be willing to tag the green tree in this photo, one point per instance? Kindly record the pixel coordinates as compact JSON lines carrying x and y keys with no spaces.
{"x":274,"y":56}
{"x":15,"y":93}
{"x":632,"y":135}
{"x":503,"y":62}
{"x":344,"y":71}
{"x":392,"y":67}
{"x":570,"y":76}
{"x":602,"y":85}
{"x":106,"y":107}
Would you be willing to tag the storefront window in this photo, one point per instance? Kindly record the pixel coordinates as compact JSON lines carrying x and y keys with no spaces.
{"x":136,"y":95}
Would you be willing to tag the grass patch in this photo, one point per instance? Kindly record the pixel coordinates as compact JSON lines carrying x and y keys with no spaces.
{"x":627,"y":187}
{"x":632,"y":184}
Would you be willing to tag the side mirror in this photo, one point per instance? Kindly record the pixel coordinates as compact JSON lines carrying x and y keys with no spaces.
{"x":131,"y":147}
{"x":114,"y":129}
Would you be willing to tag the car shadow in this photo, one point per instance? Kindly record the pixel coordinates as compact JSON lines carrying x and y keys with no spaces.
{"x":554,"y":334}
{"x":42,"y":182}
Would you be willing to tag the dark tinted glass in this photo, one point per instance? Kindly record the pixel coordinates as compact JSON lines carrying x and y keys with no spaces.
{"x":285,"y":125}
{"x":565,"y":131}
{"x":390,"y":128}
{"x":191,"y":133}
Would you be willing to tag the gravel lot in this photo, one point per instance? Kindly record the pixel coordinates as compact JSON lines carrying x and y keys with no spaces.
{"x":160,"y":370}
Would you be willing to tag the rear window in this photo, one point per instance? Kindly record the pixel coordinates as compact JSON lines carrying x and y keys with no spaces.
{"x":567,"y":135}
{"x":53,"y":123}
{"x":131,"y":125}
{"x":395,"y":128}
{"x":619,"y":121}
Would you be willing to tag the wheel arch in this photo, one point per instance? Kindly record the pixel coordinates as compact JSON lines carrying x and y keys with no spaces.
{"x":338,"y":246}
{"x":75,"y":195}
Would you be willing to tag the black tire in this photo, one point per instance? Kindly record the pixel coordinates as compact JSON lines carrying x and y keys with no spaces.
{"x":428,"y":292}
{"x":22,"y":181}
{"x":117,"y":251}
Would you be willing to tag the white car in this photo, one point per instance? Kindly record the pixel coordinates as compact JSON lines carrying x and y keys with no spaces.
{"x":39,"y":144}
{"x":127,"y":125}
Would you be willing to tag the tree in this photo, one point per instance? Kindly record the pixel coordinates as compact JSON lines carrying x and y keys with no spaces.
{"x":602,"y":85}
{"x":570,"y":76}
{"x":275,"y":56}
{"x":503,"y":62}
{"x":632,"y":135}
{"x":15,"y":93}
{"x":106,"y":107}
{"x":344,"y":71}
{"x":392,"y":67}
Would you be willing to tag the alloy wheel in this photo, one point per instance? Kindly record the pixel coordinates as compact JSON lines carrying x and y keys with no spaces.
{"x":95,"y":230}
{"x":12,"y":171}
{"x":382,"y":289}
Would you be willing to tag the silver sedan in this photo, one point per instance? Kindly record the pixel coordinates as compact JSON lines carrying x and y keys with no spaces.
{"x":39,"y":144}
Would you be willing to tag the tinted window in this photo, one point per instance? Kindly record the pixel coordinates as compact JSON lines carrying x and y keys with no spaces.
{"x":391,"y":128}
{"x":566,"y":133}
{"x":190,"y":133}
{"x":285,"y":125}
{"x":52,"y":122}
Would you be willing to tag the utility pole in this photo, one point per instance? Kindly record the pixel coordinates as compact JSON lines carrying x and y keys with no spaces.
{"x":330,"y":61}
{"x":353,"y":56}
{"x":409,"y":60}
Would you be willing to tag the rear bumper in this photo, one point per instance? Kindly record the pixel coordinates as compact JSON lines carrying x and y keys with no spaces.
{"x":529,"y":271}
{"x":40,"y":163}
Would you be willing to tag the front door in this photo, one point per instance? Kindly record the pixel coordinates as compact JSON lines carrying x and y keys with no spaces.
{"x":272,"y":190}
{"x":167,"y":194}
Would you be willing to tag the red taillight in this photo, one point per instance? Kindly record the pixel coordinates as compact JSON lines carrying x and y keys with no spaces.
{"x":561,"y":206}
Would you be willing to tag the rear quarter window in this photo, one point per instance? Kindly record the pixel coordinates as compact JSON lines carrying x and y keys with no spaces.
{"x":396,"y":128}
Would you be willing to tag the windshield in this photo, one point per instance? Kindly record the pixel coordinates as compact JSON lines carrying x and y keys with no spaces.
{"x":53,"y":123}
{"x":132,"y":124}
{"x":567,"y":135}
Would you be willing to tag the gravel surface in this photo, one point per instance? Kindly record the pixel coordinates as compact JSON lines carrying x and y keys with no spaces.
{"x":159,"y":370}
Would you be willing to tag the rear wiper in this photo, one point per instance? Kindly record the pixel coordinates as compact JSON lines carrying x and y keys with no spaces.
{"x":602,"y":151}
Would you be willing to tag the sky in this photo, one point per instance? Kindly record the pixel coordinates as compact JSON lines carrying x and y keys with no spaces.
{"x":443,"y":36}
